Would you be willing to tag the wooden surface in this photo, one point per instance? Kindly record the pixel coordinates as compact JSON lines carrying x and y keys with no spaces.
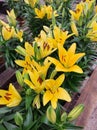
{"x":88,"y":97}
{"x":6,"y":77}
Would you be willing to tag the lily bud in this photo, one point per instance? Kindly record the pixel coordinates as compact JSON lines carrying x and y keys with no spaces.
{"x":74,"y":28}
{"x":26,"y":76}
{"x":54,"y":72}
{"x":63,"y":13}
{"x":28,"y":92}
{"x":20,"y":50}
{"x":75,"y":112}
{"x":19,"y":78}
{"x":18,"y":119}
{"x":11,"y":17}
{"x":64,"y":117}
{"x":51,"y":115}
{"x":36,"y":102}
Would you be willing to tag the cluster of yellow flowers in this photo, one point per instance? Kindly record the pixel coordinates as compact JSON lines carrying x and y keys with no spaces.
{"x":38,"y":55}
{"x":79,"y":15}
{"x":8,"y":29}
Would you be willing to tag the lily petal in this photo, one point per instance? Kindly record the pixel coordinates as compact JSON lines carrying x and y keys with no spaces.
{"x":63,"y":94}
{"x":47,"y":97}
{"x":54,"y":101}
{"x":29,"y":84}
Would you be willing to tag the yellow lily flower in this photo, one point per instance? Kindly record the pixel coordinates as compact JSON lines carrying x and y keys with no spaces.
{"x":67,"y":59}
{"x":60,"y":37}
{"x":19,"y":35}
{"x":45,"y":49}
{"x":40,"y":12}
{"x":78,"y":11}
{"x":92,"y":32}
{"x":36,"y":82}
{"x":10,"y":97}
{"x":55,"y":92}
{"x":42,"y":69}
{"x":29,"y":49}
{"x":27,"y":64}
{"x":45,"y":46}
{"x":11,"y":17}
{"x":7,"y":32}
{"x":45,"y":10}
{"x":50,"y":12}
{"x":42,"y":37}
{"x":31,"y":2}
{"x":38,"y":76}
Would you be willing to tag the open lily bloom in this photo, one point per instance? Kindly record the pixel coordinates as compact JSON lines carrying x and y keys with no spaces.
{"x":7,"y":32}
{"x":44,"y":49}
{"x":54,"y":91}
{"x":40,"y":13}
{"x":31,"y":2}
{"x":29,"y":49}
{"x":45,"y":10}
{"x":42,"y":37}
{"x":19,"y":35}
{"x":50,"y":12}
{"x":78,"y":11}
{"x":10,"y":97}
{"x":38,"y":76}
{"x":92,"y":32}
{"x":67,"y":59}
{"x":60,"y":37}
{"x":26,"y":64}
{"x":36,"y":82}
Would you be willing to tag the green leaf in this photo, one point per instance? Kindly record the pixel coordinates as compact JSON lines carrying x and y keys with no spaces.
{"x":69,"y":126}
{"x":28,"y":121}
{"x":28,"y":101}
{"x":44,"y":119}
{"x":18,"y":119}
{"x":8,"y":117}
{"x":2,"y":127}
{"x":10,"y":126}
{"x":4,"y":110}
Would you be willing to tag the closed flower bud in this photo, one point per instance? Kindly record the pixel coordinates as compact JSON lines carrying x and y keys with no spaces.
{"x":36,"y":102}
{"x":18,"y":119}
{"x":26,"y":76}
{"x":51,"y":115}
{"x":54,"y":72}
{"x":29,"y":91}
{"x":20,"y":50}
{"x":63,"y":13}
{"x":74,"y":28}
{"x":75,"y":112}
{"x":19,"y":78}
{"x":64,"y":117}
